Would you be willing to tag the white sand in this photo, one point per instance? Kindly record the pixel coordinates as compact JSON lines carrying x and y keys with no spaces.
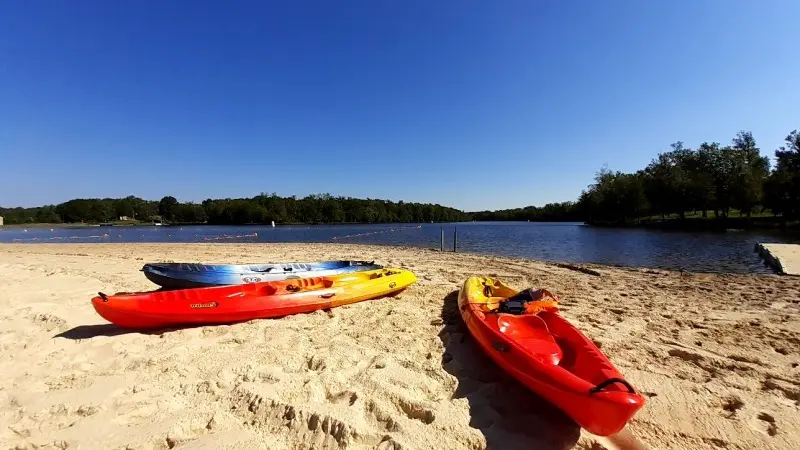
{"x":716,"y":354}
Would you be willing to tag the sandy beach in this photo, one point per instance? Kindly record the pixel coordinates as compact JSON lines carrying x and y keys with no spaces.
{"x":716,"y":355}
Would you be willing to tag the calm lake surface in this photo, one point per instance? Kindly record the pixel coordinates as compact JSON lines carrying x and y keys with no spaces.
{"x":730,"y":251}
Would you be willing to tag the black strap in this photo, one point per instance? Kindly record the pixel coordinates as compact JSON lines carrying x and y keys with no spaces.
{"x":609,"y":382}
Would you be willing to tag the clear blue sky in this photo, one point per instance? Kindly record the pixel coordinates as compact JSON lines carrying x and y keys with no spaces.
{"x":472,"y":104}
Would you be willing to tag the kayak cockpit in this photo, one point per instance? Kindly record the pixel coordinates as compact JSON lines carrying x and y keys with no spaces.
{"x":531,"y":333}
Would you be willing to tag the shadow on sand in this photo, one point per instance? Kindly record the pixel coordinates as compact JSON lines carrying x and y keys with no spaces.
{"x":108,"y":329}
{"x":509,"y":415}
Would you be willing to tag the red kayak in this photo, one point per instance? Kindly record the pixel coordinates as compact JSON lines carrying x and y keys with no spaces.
{"x":524,"y":334}
{"x":237,"y":303}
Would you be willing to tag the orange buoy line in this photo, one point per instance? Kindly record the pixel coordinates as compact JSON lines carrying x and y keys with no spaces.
{"x":376,"y":232}
{"x":228,"y":236}
{"x":61,"y":238}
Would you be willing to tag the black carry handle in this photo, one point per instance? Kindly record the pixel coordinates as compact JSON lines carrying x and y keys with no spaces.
{"x":609,"y":382}
{"x":103,"y":296}
{"x":328,"y":295}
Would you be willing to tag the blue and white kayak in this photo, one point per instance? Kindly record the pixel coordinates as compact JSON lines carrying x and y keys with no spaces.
{"x":192,"y":275}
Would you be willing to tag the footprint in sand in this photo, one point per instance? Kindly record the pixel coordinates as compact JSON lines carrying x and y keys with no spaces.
{"x":731,"y":405}
{"x":139,"y":414}
{"x":789,"y":390}
{"x":48,"y":322}
{"x":765,"y":423}
{"x":315,"y":363}
{"x":384,"y":419}
{"x":389,"y":444}
{"x":685,"y":355}
{"x":781,"y":350}
{"x":416,"y":411}
{"x":348,"y":397}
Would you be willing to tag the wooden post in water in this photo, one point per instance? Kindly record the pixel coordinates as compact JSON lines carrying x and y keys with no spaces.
{"x":441,"y":245}
{"x":455,"y":238}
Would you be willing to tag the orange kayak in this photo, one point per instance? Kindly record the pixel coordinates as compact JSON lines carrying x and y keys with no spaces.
{"x":236,"y":303}
{"x":524,"y":334}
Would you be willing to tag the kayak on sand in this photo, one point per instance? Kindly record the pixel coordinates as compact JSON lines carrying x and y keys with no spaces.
{"x":524,"y":334}
{"x":191,"y":275}
{"x":238,"y":303}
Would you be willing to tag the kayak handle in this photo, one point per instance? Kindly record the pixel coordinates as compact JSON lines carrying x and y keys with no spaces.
{"x":103,"y":296}
{"x":609,"y":382}
{"x":328,"y":295}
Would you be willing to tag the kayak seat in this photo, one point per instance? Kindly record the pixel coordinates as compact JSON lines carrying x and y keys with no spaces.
{"x":531,"y":332}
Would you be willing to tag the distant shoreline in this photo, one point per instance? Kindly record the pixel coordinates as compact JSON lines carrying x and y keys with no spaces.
{"x":669,"y":224}
{"x":190,"y":224}
{"x":708,"y":224}
{"x":49,"y":225}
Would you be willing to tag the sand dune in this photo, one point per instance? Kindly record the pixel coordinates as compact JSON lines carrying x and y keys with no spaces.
{"x":717,"y":356}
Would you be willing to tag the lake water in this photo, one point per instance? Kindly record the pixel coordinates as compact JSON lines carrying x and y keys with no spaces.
{"x":730,"y":251}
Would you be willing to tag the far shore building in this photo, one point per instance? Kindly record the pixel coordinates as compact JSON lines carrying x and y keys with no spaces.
{"x":1,"y":221}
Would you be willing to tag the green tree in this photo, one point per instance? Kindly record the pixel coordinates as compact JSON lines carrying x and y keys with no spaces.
{"x":749,"y":171}
{"x":667,"y":181}
{"x":782,"y":194}
{"x":166,"y":207}
{"x":124,"y":207}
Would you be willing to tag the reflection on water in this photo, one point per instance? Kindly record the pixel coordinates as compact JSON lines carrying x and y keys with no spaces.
{"x":730,"y":251}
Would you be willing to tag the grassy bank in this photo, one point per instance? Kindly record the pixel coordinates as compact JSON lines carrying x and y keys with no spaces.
{"x":696,"y":222}
{"x":116,"y":223}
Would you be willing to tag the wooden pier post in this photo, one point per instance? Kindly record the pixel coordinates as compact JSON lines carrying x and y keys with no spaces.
{"x":441,"y":245}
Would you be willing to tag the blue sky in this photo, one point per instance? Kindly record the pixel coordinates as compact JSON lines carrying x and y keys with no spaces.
{"x":472,"y":104}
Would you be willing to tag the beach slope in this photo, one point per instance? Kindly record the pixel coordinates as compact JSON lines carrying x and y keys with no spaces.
{"x":716,"y":355}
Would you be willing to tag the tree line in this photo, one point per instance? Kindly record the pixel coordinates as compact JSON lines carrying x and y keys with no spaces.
{"x":261,"y":209}
{"x":551,"y":212}
{"x":710,"y":178}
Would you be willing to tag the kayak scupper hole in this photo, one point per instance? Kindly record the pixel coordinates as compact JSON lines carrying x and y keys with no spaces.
{"x":269,"y":290}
